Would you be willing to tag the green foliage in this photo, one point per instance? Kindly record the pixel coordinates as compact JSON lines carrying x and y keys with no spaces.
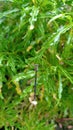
{"x":35,"y":32}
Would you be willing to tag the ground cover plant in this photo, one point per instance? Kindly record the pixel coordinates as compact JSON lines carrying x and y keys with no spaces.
{"x":36,"y":32}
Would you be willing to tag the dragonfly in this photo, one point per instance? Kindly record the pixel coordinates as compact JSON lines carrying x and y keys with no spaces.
{"x":35,"y":82}
{"x":33,"y":97}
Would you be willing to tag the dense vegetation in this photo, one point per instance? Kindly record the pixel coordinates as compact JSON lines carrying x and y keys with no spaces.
{"x":36,"y":32}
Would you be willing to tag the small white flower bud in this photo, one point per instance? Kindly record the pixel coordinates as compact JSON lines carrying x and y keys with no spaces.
{"x":31,"y":27}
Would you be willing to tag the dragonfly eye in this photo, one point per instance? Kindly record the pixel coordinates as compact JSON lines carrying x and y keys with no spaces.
{"x":36,"y":67}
